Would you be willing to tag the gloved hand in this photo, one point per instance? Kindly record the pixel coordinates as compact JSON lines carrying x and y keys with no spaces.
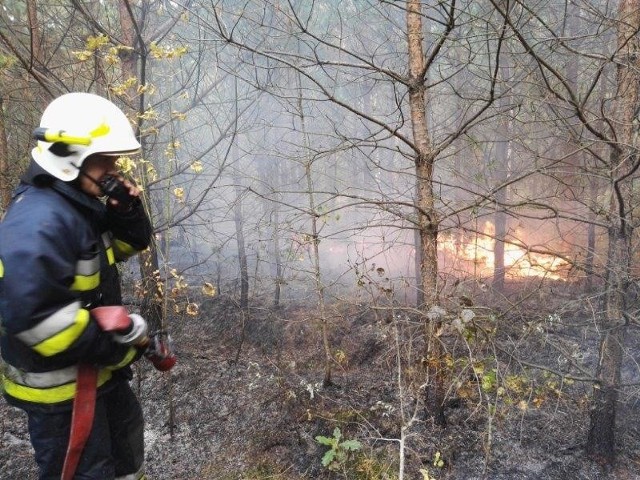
{"x":127,"y":328}
{"x":131,"y":329}
{"x":160,"y":351}
{"x":136,"y":334}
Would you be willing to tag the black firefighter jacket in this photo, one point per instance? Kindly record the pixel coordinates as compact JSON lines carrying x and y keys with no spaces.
{"x":58,"y":254}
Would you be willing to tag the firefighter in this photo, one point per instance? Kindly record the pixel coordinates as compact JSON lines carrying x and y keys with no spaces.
{"x":60,"y":242}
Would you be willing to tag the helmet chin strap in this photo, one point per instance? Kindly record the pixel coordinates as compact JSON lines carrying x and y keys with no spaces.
{"x":93,"y":180}
{"x":81,"y":171}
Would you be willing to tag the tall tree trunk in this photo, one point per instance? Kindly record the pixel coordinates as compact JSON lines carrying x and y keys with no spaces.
{"x":589,"y":261}
{"x":601,"y":438}
{"x":500,"y":217}
{"x":417,"y":246}
{"x":242,"y":250}
{"x":500,"y":223}
{"x":624,"y":162}
{"x":427,"y":218}
{"x":35,"y":34}
{"x":128,"y":57}
{"x":321,"y":315}
{"x":319,"y":284}
{"x":595,"y":190}
{"x":277,"y":256}
{"x":576,"y":157}
{"x":502,"y":175}
{"x":270,"y":171}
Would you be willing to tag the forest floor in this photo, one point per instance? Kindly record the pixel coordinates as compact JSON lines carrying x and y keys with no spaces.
{"x":246,"y":399}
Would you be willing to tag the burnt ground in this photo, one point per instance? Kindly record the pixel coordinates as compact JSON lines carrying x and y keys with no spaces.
{"x":246,"y":399}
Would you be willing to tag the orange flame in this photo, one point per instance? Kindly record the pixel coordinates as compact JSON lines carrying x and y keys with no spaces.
{"x":476,"y":255}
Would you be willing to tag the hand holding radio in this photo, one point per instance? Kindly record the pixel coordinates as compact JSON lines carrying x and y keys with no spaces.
{"x":117,"y":190}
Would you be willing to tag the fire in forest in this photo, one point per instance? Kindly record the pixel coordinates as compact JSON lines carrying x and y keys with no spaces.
{"x":475,"y":254}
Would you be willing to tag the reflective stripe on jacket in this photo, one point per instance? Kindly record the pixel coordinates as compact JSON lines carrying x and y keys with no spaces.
{"x":55,"y":386}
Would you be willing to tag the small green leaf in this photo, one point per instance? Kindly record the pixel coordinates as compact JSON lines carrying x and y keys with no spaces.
{"x":351,"y":445}
{"x":489,"y":380}
{"x":328,"y":457}
{"x":325,"y":440}
{"x":425,"y":474}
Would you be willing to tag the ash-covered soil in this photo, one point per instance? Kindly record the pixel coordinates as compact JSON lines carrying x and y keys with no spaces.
{"x":246,"y":401}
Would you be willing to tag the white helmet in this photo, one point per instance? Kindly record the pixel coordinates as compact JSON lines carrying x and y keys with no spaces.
{"x":103,"y":127}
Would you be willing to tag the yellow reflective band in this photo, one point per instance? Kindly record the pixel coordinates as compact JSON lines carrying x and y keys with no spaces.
{"x":128,"y":358}
{"x":124,"y":249}
{"x":83,"y":283}
{"x":1,"y":269}
{"x":50,"y":326}
{"x":63,"y":340}
{"x":48,"y":395}
{"x":110,"y":256}
{"x":63,"y":137}
{"x":100,"y":131}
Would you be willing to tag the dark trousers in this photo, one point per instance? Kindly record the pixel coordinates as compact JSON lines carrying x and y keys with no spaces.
{"x":115,"y":447}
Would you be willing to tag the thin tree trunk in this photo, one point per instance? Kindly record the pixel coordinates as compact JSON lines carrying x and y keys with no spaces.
{"x":591,"y":248}
{"x":319,"y":285}
{"x":35,"y":35}
{"x":500,"y":223}
{"x":595,"y":189}
{"x":417,"y":245}
{"x":501,"y":177}
{"x":427,"y":218}
{"x":277,"y":256}
{"x":601,"y":438}
{"x":242,"y":250}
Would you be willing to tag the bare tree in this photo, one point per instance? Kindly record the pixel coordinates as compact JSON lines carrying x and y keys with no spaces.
{"x":427,"y":223}
{"x":623,"y":163}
